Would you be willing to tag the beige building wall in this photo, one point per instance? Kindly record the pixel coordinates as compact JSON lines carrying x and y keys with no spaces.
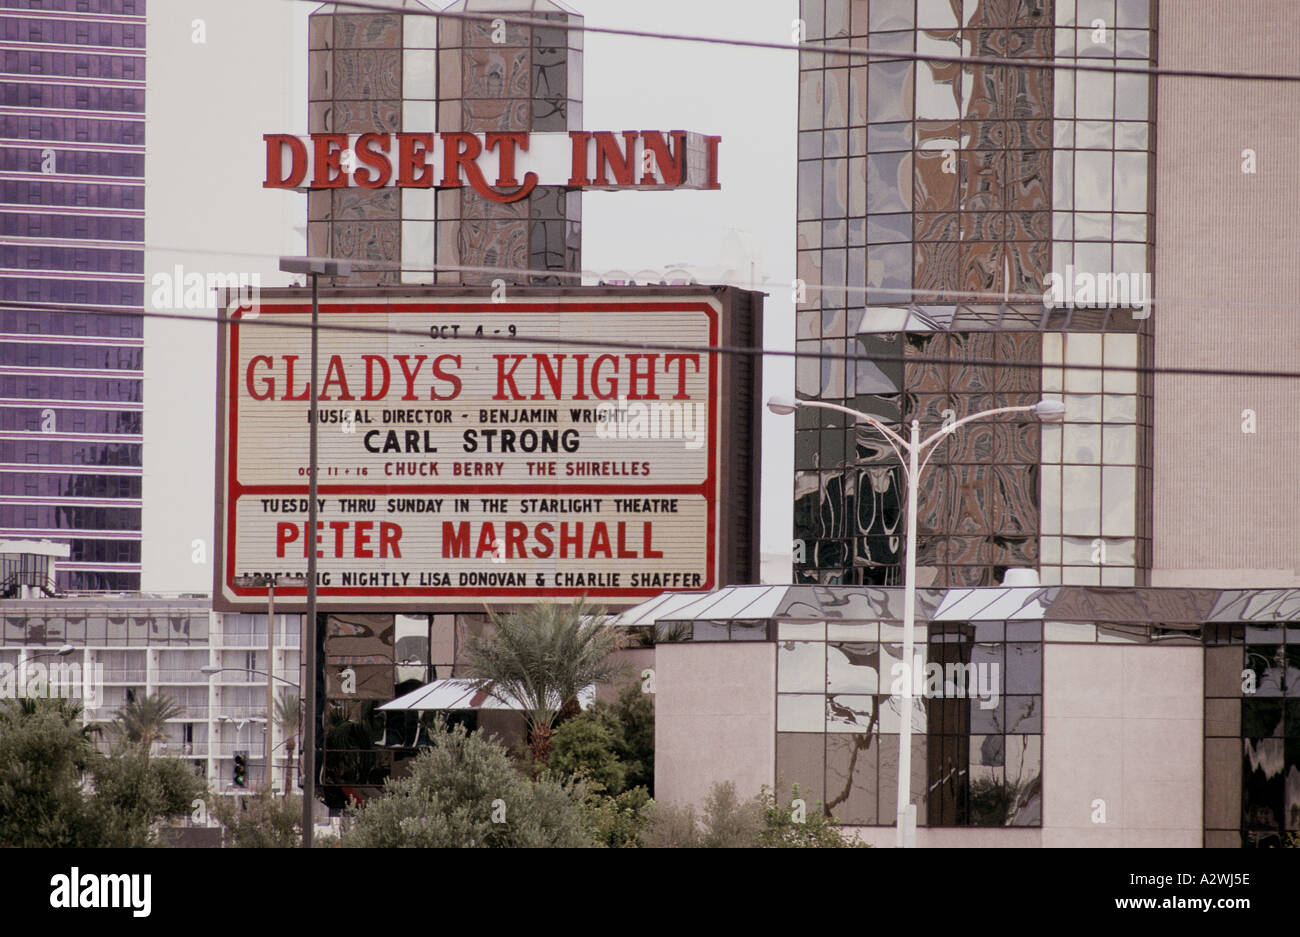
{"x":715,"y":719}
{"x":639,"y":664}
{"x":1225,"y":509}
{"x":1122,"y":742}
{"x":1122,"y":725}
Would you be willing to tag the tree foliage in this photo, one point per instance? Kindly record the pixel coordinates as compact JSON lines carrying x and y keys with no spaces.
{"x":132,"y":793}
{"x":259,"y":821}
{"x":634,"y":713}
{"x":611,"y":744}
{"x":57,"y":791}
{"x":143,"y":720}
{"x":585,"y":746}
{"x":43,"y":753}
{"x":288,"y":718}
{"x":464,"y":792}
{"x":729,"y":822}
{"x":543,"y":656}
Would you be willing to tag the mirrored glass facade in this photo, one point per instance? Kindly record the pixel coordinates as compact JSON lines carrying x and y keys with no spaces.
{"x":72,"y":218}
{"x":369,"y":660}
{"x":977,"y":745}
{"x":1252,"y":721}
{"x":952,"y":241}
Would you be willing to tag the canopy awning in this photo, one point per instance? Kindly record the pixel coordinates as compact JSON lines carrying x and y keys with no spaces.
{"x":466,"y":693}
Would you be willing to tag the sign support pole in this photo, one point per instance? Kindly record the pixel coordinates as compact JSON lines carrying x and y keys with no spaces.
{"x":309,"y":652}
{"x":270,"y":685}
{"x":314,"y":268}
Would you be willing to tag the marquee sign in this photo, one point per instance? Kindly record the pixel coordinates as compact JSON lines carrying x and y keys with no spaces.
{"x":503,"y":167}
{"x":459,"y":465}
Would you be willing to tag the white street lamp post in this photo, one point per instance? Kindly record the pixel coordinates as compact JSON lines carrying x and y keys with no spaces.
{"x":1047,"y":410}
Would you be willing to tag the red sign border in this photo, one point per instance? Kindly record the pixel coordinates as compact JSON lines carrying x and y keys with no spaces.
{"x":335,"y":305}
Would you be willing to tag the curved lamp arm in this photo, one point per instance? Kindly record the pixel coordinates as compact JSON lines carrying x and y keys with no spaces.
{"x":895,"y":441}
{"x":213,"y":671}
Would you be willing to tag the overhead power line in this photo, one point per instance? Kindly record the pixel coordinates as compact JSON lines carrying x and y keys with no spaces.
{"x":764,"y":282}
{"x":261,"y":322}
{"x":830,"y":50}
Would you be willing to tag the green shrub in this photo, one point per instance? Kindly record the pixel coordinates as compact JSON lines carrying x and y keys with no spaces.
{"x":808,"y":826}
{"x":260,"y":821}
{"x":611,"y":744}
{"x":618,"y":822}
{"x":584,"y":746}
{"x":464,"y":792}
{"x":133,"y":793}
{"x":728,"y":822}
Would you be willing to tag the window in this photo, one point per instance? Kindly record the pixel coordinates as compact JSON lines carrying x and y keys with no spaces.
{"x":977,"y":724}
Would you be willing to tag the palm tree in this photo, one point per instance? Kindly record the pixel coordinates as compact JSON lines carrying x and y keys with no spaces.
{"x":542,"y":656}
{"x":288,"y":714}
{"x":143,"y":721}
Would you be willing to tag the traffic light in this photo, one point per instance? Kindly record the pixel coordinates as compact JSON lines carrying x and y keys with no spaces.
{"x":241,"y":769}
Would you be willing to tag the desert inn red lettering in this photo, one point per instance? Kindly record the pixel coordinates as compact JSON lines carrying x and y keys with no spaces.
{"x":490,"y":162}
{"x":327,"y":163}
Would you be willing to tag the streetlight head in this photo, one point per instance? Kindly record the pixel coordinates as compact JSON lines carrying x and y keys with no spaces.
{"x":66,"y":650}
{"x":318,"y":266}
{"x":783,"y":406}
{"x":209,"y":669}
{"x":1049,"y":411}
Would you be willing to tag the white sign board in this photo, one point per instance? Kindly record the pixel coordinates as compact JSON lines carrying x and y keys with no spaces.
{"x":459,"y":464}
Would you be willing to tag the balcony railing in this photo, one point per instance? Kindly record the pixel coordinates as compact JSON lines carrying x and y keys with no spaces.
{"x":181,"y":749}
{"x":252,"y":749}
{"x":237,"y":711}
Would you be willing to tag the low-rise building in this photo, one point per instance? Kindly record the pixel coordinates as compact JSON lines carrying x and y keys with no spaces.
{"x":1043,"y":716}
{"x":104,"y":650}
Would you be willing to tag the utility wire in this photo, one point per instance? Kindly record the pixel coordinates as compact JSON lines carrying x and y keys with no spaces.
{"x":764,"y":283}
{"x":819,"y":355}
{"x":829,"y":50}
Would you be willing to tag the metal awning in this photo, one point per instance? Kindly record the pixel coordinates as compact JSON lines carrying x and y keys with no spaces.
{"x":466,"y":693}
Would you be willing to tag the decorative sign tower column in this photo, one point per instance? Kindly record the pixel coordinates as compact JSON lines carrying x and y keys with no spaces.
{"x":506,"y":77}
{"x":391,"y":73}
